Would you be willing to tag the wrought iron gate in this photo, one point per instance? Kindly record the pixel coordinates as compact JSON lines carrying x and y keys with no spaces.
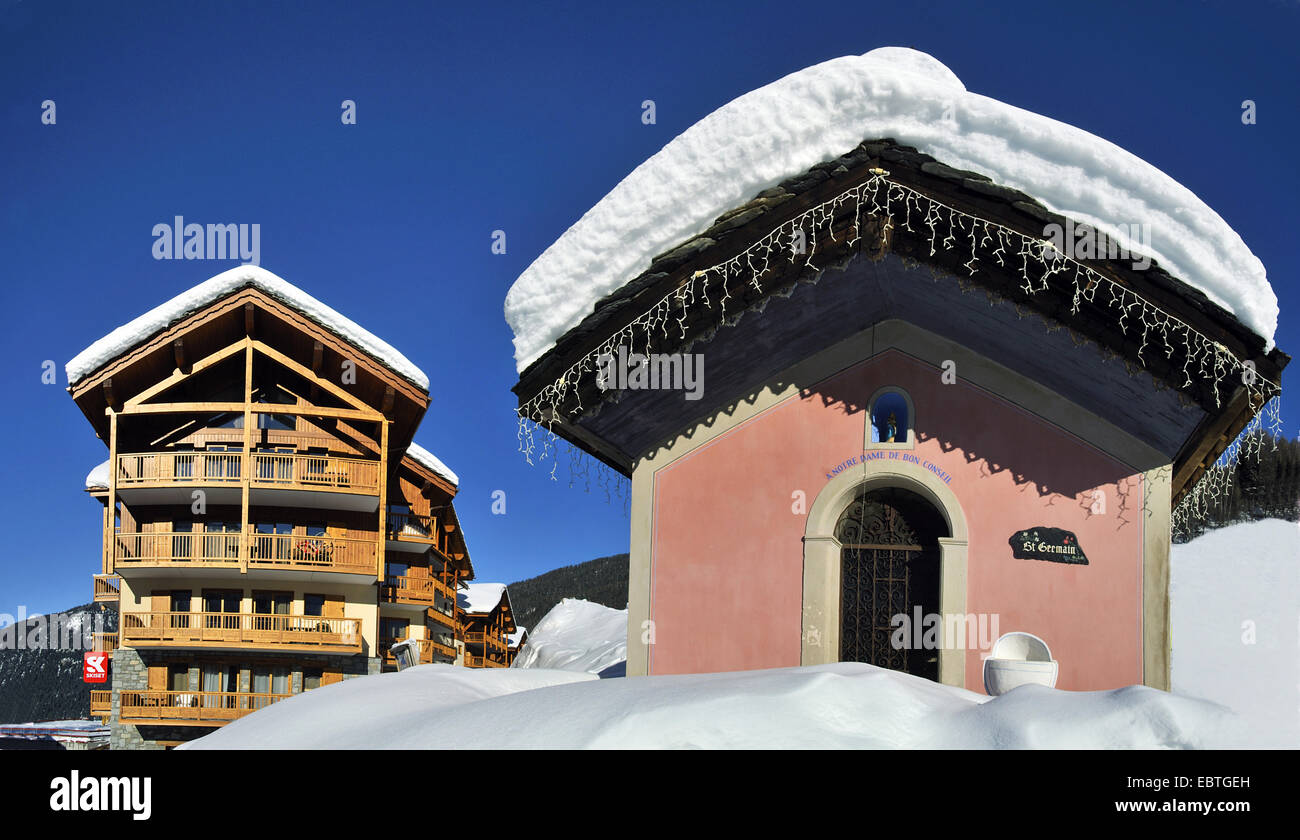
{"x":884,"y":557}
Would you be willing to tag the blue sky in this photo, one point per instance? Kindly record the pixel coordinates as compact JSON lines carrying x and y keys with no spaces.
{"x":516,"y":117}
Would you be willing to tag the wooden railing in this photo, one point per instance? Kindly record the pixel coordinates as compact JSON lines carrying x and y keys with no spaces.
{"x":445,"y":588}
{"x":322,"y":472}
{"x":101,"y":702}
{"x":179,"y":468}
{"x":428,"y":647}
{"x":279,"y":551}
{"x":472,"y":661}
{"x":412,"y":527}
{"x":108,"y":588}
{"x":317,"y":471}
{"x":186,"y":629}
{"x":445,"y":618}
{"x":103,"y":642}
{"x":338,"y":554}
{"x":409,"y":590}
{"x":478,"y":637}
{"x":191,"y":706}
{"x":166,"y":547}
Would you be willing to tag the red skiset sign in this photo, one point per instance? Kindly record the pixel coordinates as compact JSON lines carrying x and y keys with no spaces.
{"x":95,"y":668}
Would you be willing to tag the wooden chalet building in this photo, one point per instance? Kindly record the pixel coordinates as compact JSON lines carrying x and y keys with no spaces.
{"x":269,"y":525}
{"x":488,"y":622}
{"x":913,"y":405}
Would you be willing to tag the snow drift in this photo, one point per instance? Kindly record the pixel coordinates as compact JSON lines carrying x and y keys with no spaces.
{"x":577,"y":635}
{"x":782,"y":129}
{"x":846,"y":705}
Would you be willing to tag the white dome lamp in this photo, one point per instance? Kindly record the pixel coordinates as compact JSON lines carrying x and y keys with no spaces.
{"x":1019,"y":659}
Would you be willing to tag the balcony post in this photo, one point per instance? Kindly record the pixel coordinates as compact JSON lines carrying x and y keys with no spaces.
{"x":246,"y":468}
{"x":382,"y":541}
{"x":110,"y":515}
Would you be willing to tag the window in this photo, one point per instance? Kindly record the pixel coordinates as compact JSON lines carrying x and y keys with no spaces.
{"x":311,"y":678}
{"x":890,"y":421}
{"x":182,"y":540}
{"x":393,"y":629}
{"x":222,"y":462}
{"x":220,"y":541}
{"x":178,"y":677}
{"x":219,"y":680}
{"x":318,"y":465}
{"x":272,"y":541}
{"x":180,"y":607}
{"x":270,"y":680}
{"x":222,"y":608}
{"x":184,"y":461}
{"x":274,"y":463}
{"x":313,"y":604}
{"x":395,"y":571}
{"x":272,"y":603}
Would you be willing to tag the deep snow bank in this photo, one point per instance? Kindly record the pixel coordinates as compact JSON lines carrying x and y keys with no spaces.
{"x":1227,"y":588}
{"x":842,"y":705}
{"x":577,"y":635}
{"x":389,"y":711}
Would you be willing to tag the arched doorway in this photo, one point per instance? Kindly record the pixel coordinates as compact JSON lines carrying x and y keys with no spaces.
{"x":822,"y":555}
{"x":890,"y":580}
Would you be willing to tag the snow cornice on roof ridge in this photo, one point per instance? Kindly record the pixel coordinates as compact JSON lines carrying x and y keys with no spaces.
{"x":139,"y":330}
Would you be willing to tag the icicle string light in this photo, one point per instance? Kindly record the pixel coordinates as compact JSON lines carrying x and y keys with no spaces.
{"x":1037,"y":261}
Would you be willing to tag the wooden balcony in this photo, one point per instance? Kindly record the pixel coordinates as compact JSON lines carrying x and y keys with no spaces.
{"x":409,"y":590}
{"x":108,"y":588}
{"x":411,"y":532}
{"x":478,"y":637}
{"x":354,"y":555}
{"x":101,"y":703}
{"x":190,"y":708}
{"x":430,"y":647}
{"x":144,"y":477}
{"x":103,"y":642}
{"x":473,"y":661}
{"x":443,"y":618}
{"x":242,"y":631}
{"x":281,"y":552}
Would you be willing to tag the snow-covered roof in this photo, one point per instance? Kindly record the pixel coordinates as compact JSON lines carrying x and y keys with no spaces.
{"x":816,"y":114}
{"x":97,"y":478}
{"x":139,"y":330}
{"x":518,"y":636}
{"x":481,"y":598}
{"x":426,"y":458}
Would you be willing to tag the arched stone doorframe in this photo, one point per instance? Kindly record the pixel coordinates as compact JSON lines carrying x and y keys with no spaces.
{"x":821,"y":560}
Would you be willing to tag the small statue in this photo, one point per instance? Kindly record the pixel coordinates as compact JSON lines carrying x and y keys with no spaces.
{"x":891,"y":428}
